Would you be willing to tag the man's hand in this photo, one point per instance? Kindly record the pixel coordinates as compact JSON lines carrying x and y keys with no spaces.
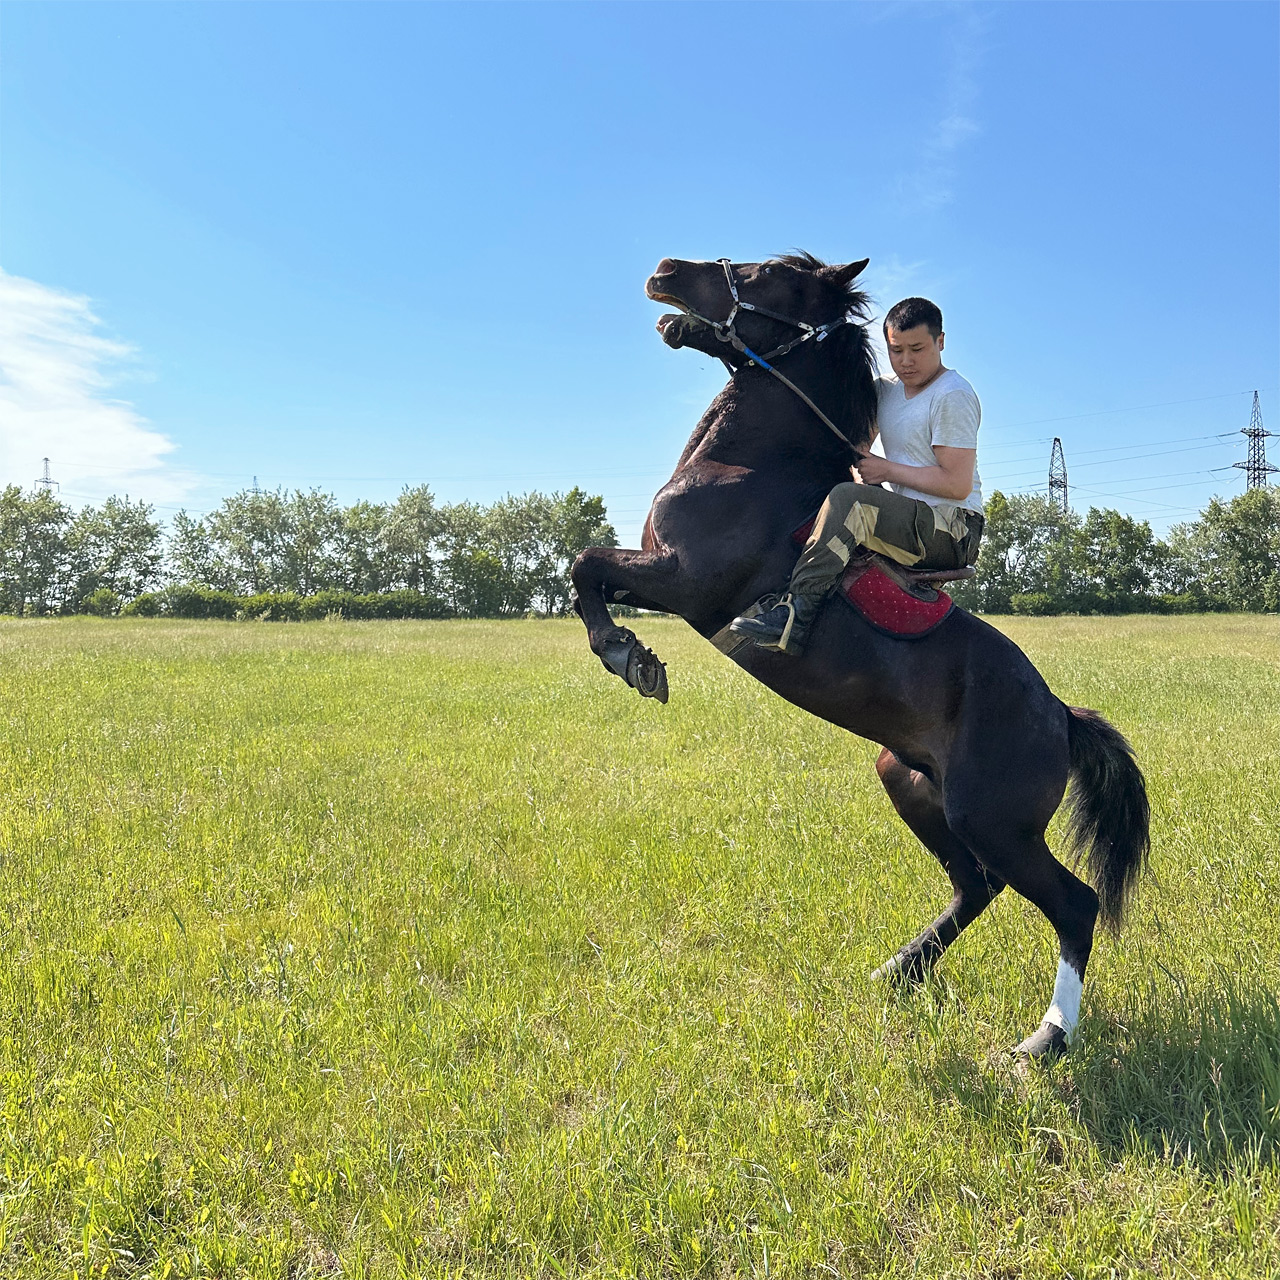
{"x":952,"y":478}
{"x":872,"y":469}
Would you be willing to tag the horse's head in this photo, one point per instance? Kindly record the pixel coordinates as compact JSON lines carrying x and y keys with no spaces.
{"x":796,"y":309}
{"x":797,"y":287}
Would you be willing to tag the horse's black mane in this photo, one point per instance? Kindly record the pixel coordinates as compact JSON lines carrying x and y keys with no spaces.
{"x":854,"y":410}
{"x":856,"y":301}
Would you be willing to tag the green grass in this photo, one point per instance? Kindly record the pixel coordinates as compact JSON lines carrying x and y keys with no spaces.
{"x":426,"y":949}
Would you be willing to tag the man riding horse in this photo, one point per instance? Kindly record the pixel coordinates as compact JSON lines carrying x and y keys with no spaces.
{"x":931,"y":515}
{"x":977,"y":749}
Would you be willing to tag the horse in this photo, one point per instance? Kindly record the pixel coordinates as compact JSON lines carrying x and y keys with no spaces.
{"x":977,"y":752}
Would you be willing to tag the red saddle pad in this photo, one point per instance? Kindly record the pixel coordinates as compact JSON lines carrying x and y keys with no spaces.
{"x":882,"y":602}
{"x":888,"y":608}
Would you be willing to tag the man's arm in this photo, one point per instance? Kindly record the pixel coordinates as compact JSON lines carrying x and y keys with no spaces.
{"x":952,"y":478}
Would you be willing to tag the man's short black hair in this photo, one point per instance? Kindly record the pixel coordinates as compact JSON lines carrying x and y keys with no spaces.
{"x":911,"y":312}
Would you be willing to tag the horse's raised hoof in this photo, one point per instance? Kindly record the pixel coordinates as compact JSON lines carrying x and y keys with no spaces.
{"x":639,"y":666}
{"x":1046,"y":1045}
{"x":905,"y":972}
{"x":647,"y":674}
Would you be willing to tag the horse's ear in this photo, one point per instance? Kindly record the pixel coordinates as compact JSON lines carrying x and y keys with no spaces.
{"x":844,"y":276}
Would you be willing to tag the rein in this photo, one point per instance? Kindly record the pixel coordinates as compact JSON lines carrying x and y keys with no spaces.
{"x":725,"y":332}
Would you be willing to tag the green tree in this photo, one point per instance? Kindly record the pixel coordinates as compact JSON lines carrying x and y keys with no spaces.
{"x":476,"y":569}
{"x":362,"y":556}
{"x":249,"y":536}
{"x":115,"y":547}
{"x":1230,"y":557}
{"x":1030,"y":549}
{"x":310,"y":543}
{"x":529,"y":542}
{"x":35,"y":567}
{"x":414,"y":528}
{"x":1121,"y":562}
{"x":579,"y":521}
{"x":515,"y":531}
{"x":480,"y":585}
{"x":190,"y":556}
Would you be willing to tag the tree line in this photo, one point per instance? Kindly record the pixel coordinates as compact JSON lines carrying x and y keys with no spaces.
{"x":282,"y":555}
{"x":1038,"y":559}
{"x":411,"y":557}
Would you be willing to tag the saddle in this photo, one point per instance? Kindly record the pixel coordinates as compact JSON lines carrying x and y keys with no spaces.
{"x":898,"y":601}
{"x":904,"y":603}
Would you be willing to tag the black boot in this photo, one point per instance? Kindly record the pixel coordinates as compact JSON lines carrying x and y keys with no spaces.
{"x":784,"y":626}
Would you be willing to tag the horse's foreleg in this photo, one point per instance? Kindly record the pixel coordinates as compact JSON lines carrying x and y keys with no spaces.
{"x":651,"y":579}
{"x":919,"y":804}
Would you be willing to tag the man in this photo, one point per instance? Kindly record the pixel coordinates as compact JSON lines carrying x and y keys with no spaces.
{"x":930,"y":517}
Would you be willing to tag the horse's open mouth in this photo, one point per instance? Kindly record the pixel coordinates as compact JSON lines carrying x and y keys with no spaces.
{"x":653,"y":290}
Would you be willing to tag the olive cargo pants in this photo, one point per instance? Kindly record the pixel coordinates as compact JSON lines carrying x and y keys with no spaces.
{"x":911,"y":533}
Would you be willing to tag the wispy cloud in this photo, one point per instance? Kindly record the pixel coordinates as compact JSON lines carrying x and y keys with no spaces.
{"x":56,"y":371}
{"x":930,"y":181}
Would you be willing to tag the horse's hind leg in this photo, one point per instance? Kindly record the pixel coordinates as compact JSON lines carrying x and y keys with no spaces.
{"x":1005,"y":827}
{"x":919,"y":804}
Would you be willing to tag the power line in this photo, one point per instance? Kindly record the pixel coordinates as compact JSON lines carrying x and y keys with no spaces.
{"x":1110,"y":448}
{"x":1146,"y":502}
{"x":1138,"y":408}
{"x":46,"y":481}
{"x":1110,"y":462}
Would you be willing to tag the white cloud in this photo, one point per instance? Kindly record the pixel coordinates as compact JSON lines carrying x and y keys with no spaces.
{"x":928,"y":185}
{"x":56,"y":369}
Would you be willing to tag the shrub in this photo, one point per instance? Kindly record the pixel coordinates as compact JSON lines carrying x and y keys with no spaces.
{"x":187,"y":601}
{"x":1032,"y":602}
{"x":400,"y":604}
{"x":148,"y":605}
{"x":270,"y":606}
{"x":102,"y":603}
{"x":319,"y":606}
{"x":1185,"y":602}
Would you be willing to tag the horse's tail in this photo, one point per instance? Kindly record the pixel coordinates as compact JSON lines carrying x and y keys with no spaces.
{"x":1108,"y":814}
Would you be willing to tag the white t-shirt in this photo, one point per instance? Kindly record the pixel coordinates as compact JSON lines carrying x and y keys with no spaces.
{"x":946,"y":412}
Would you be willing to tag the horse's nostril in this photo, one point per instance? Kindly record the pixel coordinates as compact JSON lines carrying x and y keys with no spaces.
{"x":665,"y":268}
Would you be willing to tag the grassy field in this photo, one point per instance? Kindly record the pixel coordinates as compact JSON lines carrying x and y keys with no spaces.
{"x":426,"y":949}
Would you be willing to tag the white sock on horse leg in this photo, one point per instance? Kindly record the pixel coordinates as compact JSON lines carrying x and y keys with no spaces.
{"x":1064,"y":1012}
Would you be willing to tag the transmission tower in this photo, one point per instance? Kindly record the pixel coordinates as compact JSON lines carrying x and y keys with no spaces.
{"x":1257,"y":469}
{"x":46,"y":481}
{"x":1058,"y":478}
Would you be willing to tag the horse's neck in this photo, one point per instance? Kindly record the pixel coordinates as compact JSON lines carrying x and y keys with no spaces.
{"x":721,"y":405}
{"x":758,"y":424}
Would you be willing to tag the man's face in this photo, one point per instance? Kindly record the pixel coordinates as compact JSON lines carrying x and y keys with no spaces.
{"x":915,"y":354}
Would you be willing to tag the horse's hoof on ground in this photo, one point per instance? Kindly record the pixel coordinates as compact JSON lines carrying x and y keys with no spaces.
{"x":903,"y":973}
{"x":646,"y":674}
{"x":1045,"y":1045}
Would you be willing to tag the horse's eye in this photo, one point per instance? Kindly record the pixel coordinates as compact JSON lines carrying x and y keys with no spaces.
{"x":767,"y":270}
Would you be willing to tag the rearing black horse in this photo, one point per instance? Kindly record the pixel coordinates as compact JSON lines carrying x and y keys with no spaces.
{"x":977,"y":750}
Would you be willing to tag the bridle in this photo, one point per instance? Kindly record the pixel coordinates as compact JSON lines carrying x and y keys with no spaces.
{"x":726,"y":332}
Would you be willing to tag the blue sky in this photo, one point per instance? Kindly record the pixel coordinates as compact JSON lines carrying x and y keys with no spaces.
{"x":363,"y":245}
